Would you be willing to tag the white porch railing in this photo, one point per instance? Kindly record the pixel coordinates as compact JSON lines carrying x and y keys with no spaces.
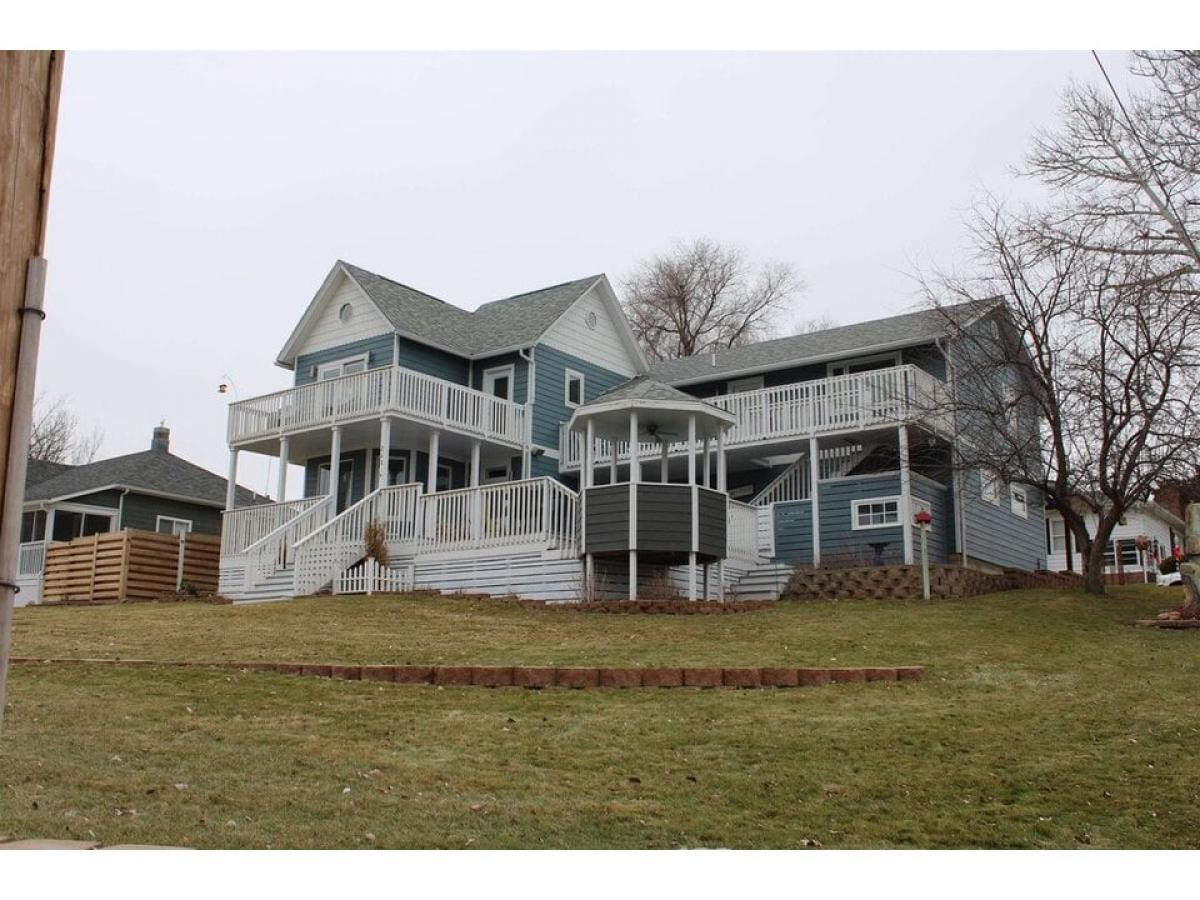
{"x":325,"y":553}
{"x":393,"y":389}
{"x":31,"y":559}
{"x":241,"y":528}
{"x":843,"y":403}
{"x":741,"y":530}
{"x":791,"y":484}
{"x":274,"y":551}
{"x":534,"y":511}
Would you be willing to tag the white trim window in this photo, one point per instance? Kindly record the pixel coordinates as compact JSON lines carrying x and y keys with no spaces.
{"x":1019,"y":501}
{"x":499,"y":381}
{"x":989,"y":487}
{"x":573,"y":388}
{"x":172,"y":525}
{"x":874,"y":512}
{"x":351,"y":366}
{"x":1056,"y":535}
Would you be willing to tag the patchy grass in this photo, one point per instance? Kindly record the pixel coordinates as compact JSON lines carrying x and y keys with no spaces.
{"x":1045,"y":721}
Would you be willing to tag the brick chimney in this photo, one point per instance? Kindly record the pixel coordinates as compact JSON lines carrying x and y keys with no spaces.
{"x":161,"y":439}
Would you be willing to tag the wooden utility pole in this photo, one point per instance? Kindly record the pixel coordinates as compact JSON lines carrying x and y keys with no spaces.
{"x":29,"y":89}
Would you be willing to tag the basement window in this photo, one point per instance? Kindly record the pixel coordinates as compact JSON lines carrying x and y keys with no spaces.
{"x":877,"y":512}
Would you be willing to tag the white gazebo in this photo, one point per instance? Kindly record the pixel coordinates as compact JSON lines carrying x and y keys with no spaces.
{"x":681,"y":522}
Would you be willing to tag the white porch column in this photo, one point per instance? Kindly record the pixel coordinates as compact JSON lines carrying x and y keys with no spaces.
{"x":281,"y":483}
{"x":612,"y":463}
{"x":474,"y":473}
{"x":814,"y":494}
{"x":431,"y":476}
{"x":589,"y":456}
{"x":335,"y":464}
{"x":905,"y":495}
{"x":707,"y":462}
{"x":231,"y":486}
{"x":722,"y":474}
{"x":692,"y":449}
{"x":695,"y":492}
{"x":635,"y":475}
{"x":385,"y":450}
{"x":664,"y":470}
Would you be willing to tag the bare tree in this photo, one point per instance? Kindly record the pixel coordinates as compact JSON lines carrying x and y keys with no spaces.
{"x":1127,"y":170}
{"x":812,"y":325}
{"x":56,"y":435}
{"x":704,"y":296}
{"x":1087,"y":388}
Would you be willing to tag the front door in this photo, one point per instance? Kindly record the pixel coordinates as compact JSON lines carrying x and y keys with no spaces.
{"x":345,"y":480}
{"x":497,"y":382}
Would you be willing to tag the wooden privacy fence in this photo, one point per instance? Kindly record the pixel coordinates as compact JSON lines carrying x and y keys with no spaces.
{"x":130,"y":565}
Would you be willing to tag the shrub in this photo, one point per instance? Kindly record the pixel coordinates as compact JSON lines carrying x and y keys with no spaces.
{"x":1168,"y":566}
{"x":375,"y":542}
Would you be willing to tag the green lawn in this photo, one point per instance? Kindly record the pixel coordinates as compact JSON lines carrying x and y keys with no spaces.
{"x":1045,"y":721}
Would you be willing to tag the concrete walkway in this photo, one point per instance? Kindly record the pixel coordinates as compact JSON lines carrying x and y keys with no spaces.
{"x":7,"y":843}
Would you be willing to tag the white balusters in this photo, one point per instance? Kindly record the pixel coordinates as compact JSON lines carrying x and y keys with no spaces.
{"x":240,"y":528}
{"x":741,"y":530}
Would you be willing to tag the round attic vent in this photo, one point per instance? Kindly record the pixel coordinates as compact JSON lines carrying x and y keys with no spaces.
{"x":346,"y":313}
{"x":590,"y":320}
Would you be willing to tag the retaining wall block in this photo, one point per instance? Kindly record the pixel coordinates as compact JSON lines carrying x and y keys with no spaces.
{"x":910,"y":673}
{"x":780,"y":677}
{"x":347,"y":673}
{"x":848,"y":676}
{"x":533,"y":676}
{"x":662,"y":677}
{"x":742,"y":677}
{"x":492,"y":676}
{"x":452,"y":674}
{"x":620,"y":678}
{"x":378,"y":673}
{"x":702,"y":677}
{"x":577,"y":677}
{"x":413,"y":674}
{"x":814,"y":677}
{"x":317,"y":670}
{"x":288,"y":668}
{"x":886,"y":673}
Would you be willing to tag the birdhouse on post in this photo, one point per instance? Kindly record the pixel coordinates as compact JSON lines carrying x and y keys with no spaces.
{"x":924,"y":518}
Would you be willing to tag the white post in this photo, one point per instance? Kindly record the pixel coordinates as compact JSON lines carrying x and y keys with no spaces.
{"x":589,"y":450}
{"x":281,"y":484}
{"x":707,"y":462}
{"x":692,"y":576}
{"x":179,"y":565}
{"x":231,"y":486}
{"x":722,"y":484}
{"x":924,"y":561}
{"x":612,"y":463}
{"x":814,"y":495}
{"x":905,"y":495}
{"x":692,"y":449}
{"x":431,"y":476}
{"x":385,"y":451}
{"x":664,"y":473}
{"x":475,"y":450}
{"x":635,"y":475}
{"x":335,"y":464}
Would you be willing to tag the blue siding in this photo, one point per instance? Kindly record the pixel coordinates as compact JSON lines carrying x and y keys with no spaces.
{"x":842,"y":545}
{"x":550,"y":409}
{"x":520,"y":373}
{"x":996,"y":534}
{"x":379,"y":352}
{"x":941,"y":531}
{"x":793,"y":532}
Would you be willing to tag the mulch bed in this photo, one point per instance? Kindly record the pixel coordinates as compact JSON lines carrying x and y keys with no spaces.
{"x":537,"y":677}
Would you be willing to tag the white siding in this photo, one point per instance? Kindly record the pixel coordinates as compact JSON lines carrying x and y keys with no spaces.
{"x":1136,"y":523}
{"x":327,"y":330}
{"x":601,"y":346}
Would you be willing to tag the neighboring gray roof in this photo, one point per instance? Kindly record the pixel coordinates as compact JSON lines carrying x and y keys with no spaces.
{"x":39,"y":470}
{"x":155,"y":471}
{"x":643,"y":387}
{"x":512,"y":322}
{"x":895,"y":331}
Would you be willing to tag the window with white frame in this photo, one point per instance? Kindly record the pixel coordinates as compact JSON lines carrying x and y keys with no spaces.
{"x":875,"y":512}
{"x":341,"y":367}
{"x":1012,"y":413}
{"x":172,"y":525}
{"x":574,"y":388}
{"x":1056,"y":535}
{"x":989,"y":486}
{"x":1019,"y":500}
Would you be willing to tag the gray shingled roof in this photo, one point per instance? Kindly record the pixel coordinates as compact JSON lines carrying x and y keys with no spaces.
{"x":156,"y":471}
{"x":39,"y":470}
{"x":642,"y":387}
{"x":894,"y":331}
{"x":512,"y":322}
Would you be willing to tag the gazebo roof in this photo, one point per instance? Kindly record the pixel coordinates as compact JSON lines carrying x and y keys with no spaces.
{"x":663,"y":411}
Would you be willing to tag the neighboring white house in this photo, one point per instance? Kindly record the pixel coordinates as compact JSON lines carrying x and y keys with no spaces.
{"x":1123,"y":563}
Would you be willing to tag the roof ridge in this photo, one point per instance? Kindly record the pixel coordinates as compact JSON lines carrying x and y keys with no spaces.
{"x":549,"y":287}
{"x":407,"y":287}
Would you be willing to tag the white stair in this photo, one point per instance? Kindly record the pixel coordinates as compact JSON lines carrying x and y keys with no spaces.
{"x":275,"y":587}
{"x":763,"y":582}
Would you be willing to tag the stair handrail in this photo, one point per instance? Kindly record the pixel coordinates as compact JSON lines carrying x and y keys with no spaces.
{"x":272,"y":552}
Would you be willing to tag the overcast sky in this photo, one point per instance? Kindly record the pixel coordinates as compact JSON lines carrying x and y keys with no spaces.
{"x":199,"y":200}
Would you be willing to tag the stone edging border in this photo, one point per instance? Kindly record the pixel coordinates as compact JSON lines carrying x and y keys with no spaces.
{"x":537,"y":677}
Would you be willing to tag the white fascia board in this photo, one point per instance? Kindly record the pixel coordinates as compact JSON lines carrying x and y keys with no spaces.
{"x":196,"y":501}
{"x":699,"y":407}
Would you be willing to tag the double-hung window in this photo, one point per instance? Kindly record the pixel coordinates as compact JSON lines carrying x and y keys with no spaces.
{"x":1019,"y":501}
{"x":989,"y":487}
{"x":351,"y":366}
{"x":574,"y":388}
{"x":172,"y":525}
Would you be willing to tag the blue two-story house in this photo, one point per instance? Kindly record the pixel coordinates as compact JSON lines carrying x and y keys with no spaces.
{"x":450,"y":428}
